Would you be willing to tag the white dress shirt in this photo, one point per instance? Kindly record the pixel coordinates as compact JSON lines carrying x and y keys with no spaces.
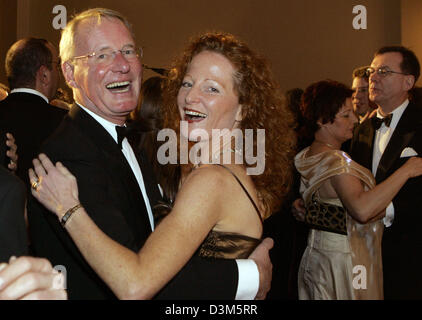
{"x":32,"y":91}
{"x":248,"y":281}
{"x":382,"y":137}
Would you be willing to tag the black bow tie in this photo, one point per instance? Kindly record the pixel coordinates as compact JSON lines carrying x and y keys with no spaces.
{"x":122,"y":132}
{"x":377,"y":122}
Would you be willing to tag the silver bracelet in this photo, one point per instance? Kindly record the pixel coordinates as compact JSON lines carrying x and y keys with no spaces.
{"x":68,"y":214}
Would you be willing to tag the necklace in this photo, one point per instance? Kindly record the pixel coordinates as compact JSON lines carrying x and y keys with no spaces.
{"x":325,"y":143}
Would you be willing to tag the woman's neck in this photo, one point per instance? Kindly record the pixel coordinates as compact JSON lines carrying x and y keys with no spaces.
{"x":327,"y":141}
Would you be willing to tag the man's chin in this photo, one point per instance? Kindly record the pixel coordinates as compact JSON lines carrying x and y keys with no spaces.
{"x":124,"y":105}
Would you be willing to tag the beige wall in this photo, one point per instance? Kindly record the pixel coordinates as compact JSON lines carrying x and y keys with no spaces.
{"x":411,"y":33}
{"x":305,"y":40}
{"x":7,"y":31}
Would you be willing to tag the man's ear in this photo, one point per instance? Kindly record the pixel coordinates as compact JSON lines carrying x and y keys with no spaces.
{"x":44,"y":76}
{"x":409,"y":82}
{"x":68,"y":73}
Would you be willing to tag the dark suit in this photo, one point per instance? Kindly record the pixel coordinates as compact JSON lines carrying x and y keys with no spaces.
{"x":111,"y":195}
{"x":13,"y":236}
{"x":31,"y":120}
{"x":402,"y":242}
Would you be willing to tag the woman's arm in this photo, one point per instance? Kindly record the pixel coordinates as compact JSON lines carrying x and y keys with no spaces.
{"x":196,"y":211}
{"x":363,"y":205}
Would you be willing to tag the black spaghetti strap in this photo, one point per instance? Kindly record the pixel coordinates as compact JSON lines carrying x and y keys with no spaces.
{"x":244,"y":189}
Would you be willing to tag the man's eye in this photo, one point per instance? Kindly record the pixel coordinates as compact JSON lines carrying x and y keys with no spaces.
{"x":214,"y":90}
{"x":103,"y":56}
{"x":128,"y":52}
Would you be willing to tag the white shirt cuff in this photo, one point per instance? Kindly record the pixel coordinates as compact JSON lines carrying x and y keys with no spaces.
{"x":389,"y":215}
{"x":248,"y":282}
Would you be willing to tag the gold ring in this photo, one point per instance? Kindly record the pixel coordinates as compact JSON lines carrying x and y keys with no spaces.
{"x":35,"y":185}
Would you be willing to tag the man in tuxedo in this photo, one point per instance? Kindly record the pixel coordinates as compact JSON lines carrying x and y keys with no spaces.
{"x":383,"y":144}
{"x":33,"y":74}
{"x":116,"y":186}
{"x":13,"y":235}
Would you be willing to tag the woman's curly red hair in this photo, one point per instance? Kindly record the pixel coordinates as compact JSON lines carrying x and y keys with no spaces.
{"x":262,"y":108}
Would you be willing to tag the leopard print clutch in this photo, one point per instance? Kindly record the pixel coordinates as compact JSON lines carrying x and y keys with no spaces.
{"x":325,"y":216}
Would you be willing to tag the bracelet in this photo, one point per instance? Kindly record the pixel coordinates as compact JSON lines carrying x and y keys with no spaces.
{"x":68,"y":214}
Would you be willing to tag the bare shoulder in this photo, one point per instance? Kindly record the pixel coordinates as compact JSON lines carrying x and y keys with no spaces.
{"x":212,"y":184}
{"x":208,"y":176}
{"x":203,"y":196}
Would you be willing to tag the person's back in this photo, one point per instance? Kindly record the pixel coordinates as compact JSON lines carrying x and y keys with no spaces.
{"x":30,"y":122}
{"x":25,"y":112}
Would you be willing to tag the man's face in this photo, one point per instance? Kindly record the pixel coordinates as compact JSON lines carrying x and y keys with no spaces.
{"x":109,"y":89}
{"x":390,"y":90}
{"x":360,"y":96}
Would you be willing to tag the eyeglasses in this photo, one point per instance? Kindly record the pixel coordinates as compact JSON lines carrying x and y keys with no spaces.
{"x":382,"y":71}
{"x":107,"y":56}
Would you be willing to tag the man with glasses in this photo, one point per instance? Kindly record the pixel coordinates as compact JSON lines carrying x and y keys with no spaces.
{"x":382,"y":144}
{"x":101,"y":64}
{"x":33,"y":75}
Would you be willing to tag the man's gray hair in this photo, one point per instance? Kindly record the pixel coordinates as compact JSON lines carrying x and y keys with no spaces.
{"x":69,"y":33}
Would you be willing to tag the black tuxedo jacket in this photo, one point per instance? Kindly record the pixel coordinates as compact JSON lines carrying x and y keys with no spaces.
{"x":13,"y":234}
{"x":31,"y":120}
{"x":111,"y":195}
{"x":402,"y":242}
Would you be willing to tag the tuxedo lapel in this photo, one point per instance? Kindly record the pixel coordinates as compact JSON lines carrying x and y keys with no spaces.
{"x":99,"y":136}
{"x":93,"y":129}
{"x":402,"y":135}
{"x":113,"y":156}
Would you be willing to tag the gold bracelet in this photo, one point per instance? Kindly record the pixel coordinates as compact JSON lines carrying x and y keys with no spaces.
{"x":68,"y":214}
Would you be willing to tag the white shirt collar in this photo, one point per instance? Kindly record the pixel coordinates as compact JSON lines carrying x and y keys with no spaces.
{"x":110,"y":127}
{"x":397,"y":113}
{"x":32,"y":91}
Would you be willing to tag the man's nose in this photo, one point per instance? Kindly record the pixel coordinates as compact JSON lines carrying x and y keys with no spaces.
{"x":120,"y":63}
{"x":373,"y":77}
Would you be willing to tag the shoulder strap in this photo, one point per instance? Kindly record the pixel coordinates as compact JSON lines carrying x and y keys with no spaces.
{"x":244,"y":189}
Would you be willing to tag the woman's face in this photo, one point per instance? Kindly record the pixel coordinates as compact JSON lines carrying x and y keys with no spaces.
{"x":207,"y":99}
{"x":344,"y":122}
